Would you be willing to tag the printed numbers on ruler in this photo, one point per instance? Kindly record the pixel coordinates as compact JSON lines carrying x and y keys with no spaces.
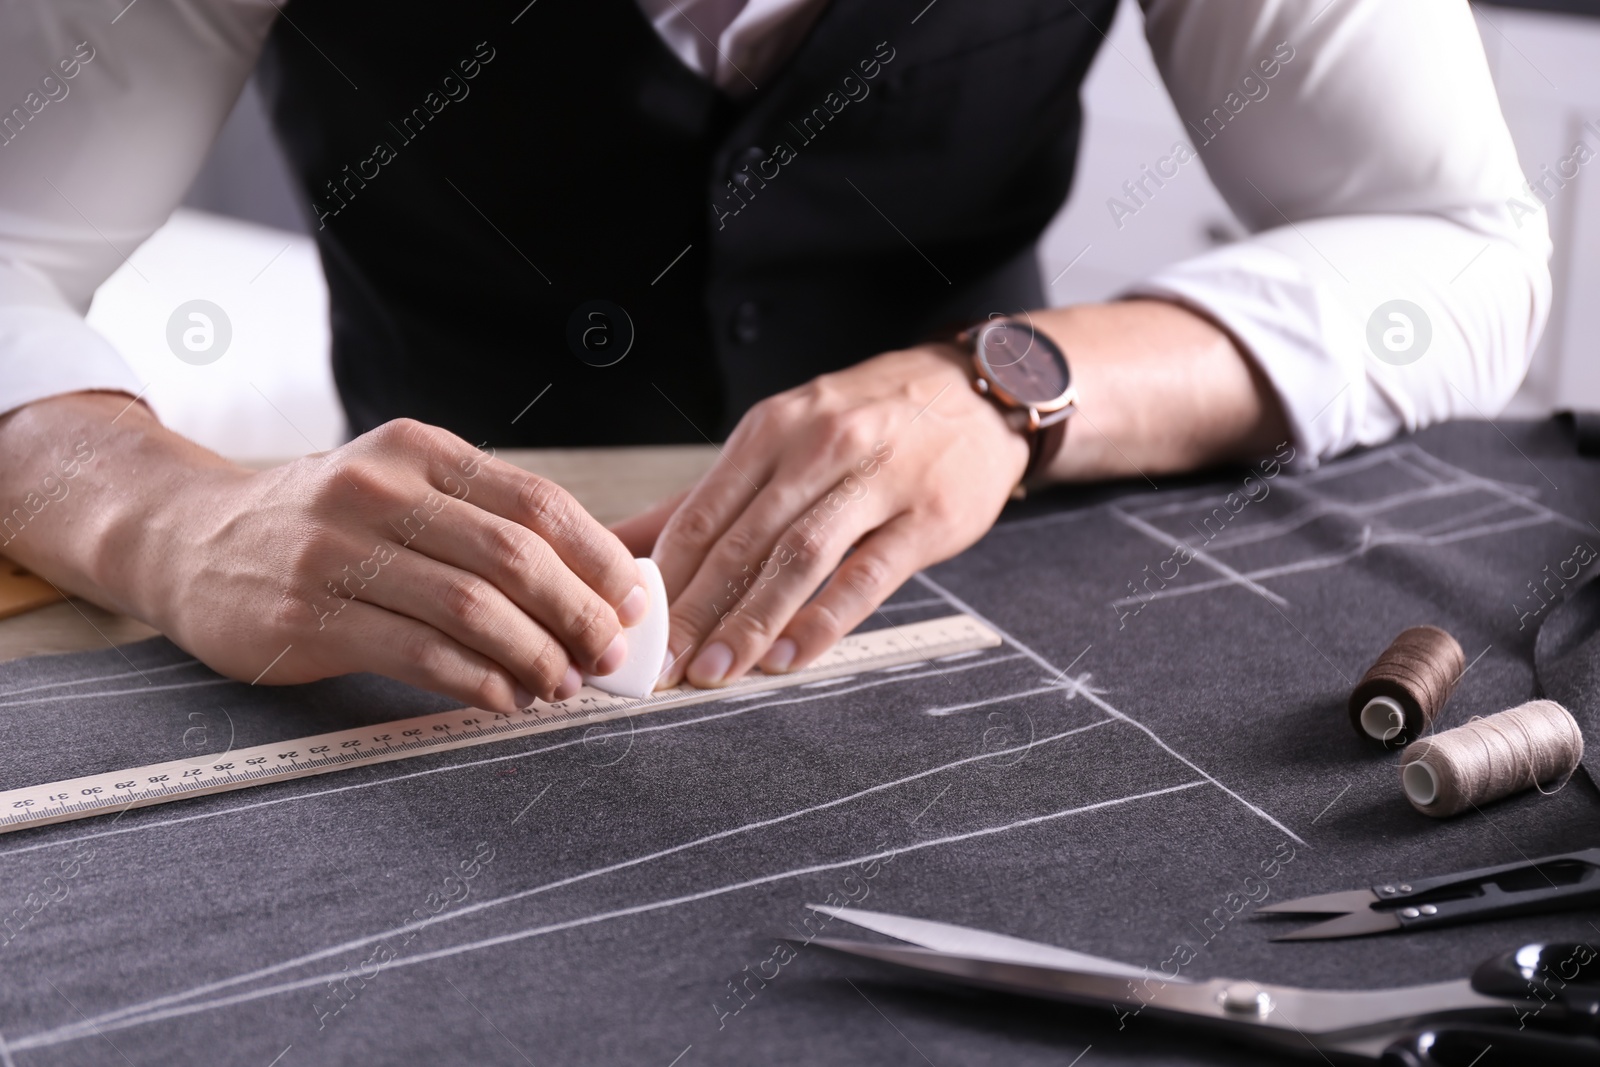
{"x":278,"y":761}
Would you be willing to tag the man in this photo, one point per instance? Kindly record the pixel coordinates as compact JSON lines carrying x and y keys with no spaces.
{"x":831,"y":185}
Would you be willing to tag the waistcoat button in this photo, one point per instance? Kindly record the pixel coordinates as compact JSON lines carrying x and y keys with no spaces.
{"x":746,"y":324}
{"x":748,"y":157}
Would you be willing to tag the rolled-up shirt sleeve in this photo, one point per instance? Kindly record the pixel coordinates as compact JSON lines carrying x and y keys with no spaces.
{"x":104,"y":120}
{"x":1397,"y":269}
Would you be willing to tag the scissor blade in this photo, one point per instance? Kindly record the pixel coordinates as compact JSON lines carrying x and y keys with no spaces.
{"x":1291,"y":1016}
{"x":964,"y":941}
{"x":1355,"y":924}
{"x":1322,"y":904}
{"x":1043,"y":980}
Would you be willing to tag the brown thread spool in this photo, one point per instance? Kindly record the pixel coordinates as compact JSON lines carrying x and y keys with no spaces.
{"x":1490,"y":758}
{"x":1402,"y":693}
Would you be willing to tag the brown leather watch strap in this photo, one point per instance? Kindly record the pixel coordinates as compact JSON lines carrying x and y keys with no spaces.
{"x":1044,"y":444}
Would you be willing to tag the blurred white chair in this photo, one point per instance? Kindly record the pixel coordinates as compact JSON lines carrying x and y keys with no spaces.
{"x":271,"y":393}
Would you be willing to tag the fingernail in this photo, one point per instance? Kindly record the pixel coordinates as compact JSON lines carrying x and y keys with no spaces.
{"x":569,"y":684}
{"x":711,"y":664}
{"x":779,"y":656}
{"x":521,"y":696}
{"x":613,"y":657}
{"x":634,"y":606}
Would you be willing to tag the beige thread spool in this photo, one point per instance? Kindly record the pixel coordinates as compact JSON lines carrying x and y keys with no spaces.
{"x":1401,"y":694}
{"x":1491,"y":758}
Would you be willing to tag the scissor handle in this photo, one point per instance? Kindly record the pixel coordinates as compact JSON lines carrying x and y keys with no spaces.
{"x":1552,"y":993}
{"x":1487,"y":1046}
{"x":1410,"y":891}
{"x":1563,"y":973}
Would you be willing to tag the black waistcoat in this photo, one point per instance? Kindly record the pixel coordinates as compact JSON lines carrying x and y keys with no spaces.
{"x":485,"y":173}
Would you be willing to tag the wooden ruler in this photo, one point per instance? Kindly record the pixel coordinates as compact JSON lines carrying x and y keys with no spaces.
{"x":161,"y":783}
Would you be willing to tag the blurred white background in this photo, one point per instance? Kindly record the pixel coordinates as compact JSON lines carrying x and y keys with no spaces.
{"x":271,"y":394}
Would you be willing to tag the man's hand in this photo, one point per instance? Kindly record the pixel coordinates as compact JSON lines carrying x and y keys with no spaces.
{"x":899,"y":459}
{"x":407,"y":552}
{"x":896,"y":458}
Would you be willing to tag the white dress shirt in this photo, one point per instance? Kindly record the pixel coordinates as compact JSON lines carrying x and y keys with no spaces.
{"x":1373,"y":165}
{"x":732,"y":42}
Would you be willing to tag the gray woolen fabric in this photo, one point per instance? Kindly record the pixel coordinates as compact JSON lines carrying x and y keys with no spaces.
{"x":1567,"y":656}
{"x":659,"y":861}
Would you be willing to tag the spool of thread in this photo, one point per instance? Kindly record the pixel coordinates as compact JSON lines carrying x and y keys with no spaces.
{"x":1490,"y":758}
{"x":1401,"y":695}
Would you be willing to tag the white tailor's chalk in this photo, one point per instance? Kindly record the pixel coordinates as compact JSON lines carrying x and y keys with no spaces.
{"x":647,"y":644}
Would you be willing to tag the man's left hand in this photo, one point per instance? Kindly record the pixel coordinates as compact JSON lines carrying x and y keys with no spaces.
{"x":878,"y":470}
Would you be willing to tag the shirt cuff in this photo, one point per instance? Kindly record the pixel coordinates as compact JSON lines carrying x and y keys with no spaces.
{"x":46,"y":352}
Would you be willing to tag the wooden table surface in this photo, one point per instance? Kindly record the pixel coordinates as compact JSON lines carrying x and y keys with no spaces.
{"x":612,"y":483}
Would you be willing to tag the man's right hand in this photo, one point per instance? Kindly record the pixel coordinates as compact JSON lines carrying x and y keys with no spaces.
{"x":407,"y":552}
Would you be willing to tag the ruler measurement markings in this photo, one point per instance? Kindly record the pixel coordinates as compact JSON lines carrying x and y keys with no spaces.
{"x":276,"y":761}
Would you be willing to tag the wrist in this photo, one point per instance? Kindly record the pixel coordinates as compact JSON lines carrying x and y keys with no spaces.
{"x":127,"y":475}
{"x":1164,"y":390}
{"x":1006,"y":438}
{"x":152,"y":536}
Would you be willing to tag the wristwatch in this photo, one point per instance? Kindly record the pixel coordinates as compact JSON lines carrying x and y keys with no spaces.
{"x":1027,"y":377}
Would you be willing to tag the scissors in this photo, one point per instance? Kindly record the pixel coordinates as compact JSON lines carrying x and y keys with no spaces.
{"x":1551,"y":883}
{"x":1445,"y":1024}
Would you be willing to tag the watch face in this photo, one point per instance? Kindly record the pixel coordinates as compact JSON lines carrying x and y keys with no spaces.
{"x":1023,"y":362}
